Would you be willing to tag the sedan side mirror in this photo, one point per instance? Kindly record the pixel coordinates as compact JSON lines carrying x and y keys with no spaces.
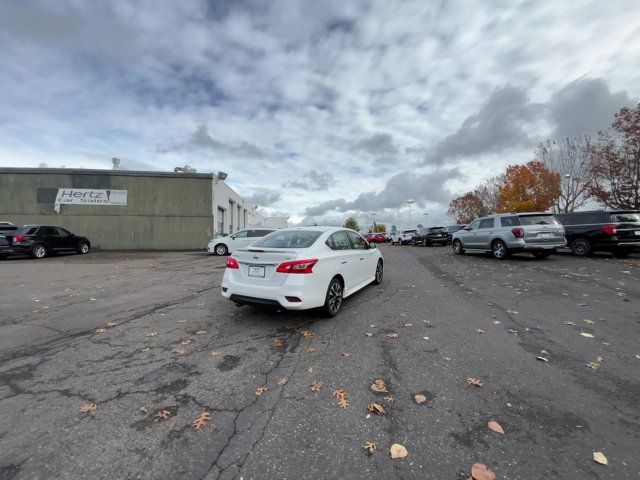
{"x":372,"y":245}
{"x":467,"y":228}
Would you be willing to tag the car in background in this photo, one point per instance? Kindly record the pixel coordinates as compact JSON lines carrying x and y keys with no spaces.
{"x":5,"y":246}
{"x":540,"y":234}
{"x":402,"y":237}
{"x":427,"y":236}
{"x":38,"y":241}
{"x":368,"y":237}
{"x":451,"y":229}
{"x":241,"y":239}
{"x":379,"y":237}
{"x":302,"y":268}
{"x":614,"y":231}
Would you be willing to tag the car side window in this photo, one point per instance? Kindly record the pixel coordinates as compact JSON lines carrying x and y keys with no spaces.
{"x":62,"y":232}
{"x":510,"y":221}
{"x":241,"y":234}
{"x":262,"y":233}
{"x":47,"y":231}
{"x":359,"y":243}
{"x":486,"y":223}
{"x":473,"y":225}
{"x":339,"y":241}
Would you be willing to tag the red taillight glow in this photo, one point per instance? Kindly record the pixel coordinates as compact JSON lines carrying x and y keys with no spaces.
{"x":18,"y":238}
{"x":232,"y":263}
{"x":293,"y":299}
{"x":610,"y":229}
{"x":518,"y":232}
{"x":297,"y":266}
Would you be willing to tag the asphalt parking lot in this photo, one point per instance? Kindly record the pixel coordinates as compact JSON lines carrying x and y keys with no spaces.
{"x":138,"y":334}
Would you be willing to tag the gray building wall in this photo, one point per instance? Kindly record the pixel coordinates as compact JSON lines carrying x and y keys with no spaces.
{"x":163,"y":211}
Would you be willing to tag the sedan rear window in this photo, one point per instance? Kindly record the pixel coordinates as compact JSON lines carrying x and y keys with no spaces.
{"x":436,"y":229}
{"x":625,"y":217}
{"x":289,"y":239}
{"x":538,"y":220}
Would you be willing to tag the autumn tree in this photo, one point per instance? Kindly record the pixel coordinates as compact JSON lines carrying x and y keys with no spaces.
{"x":489,"y":193}
{"x":466,"y":208}
{"x":529,"y":188}
{"x":616,"y":162}
{"x":351,"y":223}
{"x":379,"y":228}
{"x":569,"y":158}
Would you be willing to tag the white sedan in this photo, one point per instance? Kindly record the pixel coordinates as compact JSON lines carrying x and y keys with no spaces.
{"x":302,"y":268}
{"x":240,"y":239}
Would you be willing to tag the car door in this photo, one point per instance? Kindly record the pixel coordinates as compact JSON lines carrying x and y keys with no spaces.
{"x":362,"y":257}
{"x":343,"y":258}
{"x":238,"y":240}
{"x":467,"y":235}
{"x":484,"y":233}
{"x":49,"y":237}
{"x":64,"y":239}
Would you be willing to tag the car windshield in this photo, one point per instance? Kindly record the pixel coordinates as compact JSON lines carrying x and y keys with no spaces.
{"x":626,"y":217}
{"x":538,"y":220}
{"x":409,"y":231}
{"x":436,"y":229}
{"x":289,"y":239}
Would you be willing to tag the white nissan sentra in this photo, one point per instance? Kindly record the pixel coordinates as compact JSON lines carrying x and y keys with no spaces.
{"x":301,"y":268}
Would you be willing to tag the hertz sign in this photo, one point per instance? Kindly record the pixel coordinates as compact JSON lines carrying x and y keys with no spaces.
{"x":89,"y":196}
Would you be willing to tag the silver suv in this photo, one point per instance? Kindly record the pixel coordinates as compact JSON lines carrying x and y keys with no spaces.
{"x":538,"y":233}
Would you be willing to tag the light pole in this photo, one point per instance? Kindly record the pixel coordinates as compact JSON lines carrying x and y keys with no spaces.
{"x":426,"y":216}
{"x":410,"y":202}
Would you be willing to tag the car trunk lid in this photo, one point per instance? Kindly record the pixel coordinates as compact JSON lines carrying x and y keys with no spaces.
{"x":257,"y":266}
{"x":541,"y":229}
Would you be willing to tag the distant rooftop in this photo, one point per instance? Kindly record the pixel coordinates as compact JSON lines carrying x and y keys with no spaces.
{"x":87,"y":171}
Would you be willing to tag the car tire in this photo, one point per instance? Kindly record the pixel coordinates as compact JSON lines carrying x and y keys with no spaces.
{"x":581,"y":247}
{"x":4,"y":256}
{"x":457,"y":247}
{"x":379,"y":273}
{"x":541,"y":255}
{"x":221,"y":249}
{"x":621,"y":253}
{"x":333,"y":299}
{"x":83,"y":248}
{"x":38,"y":251}
{"x":499,"y":250}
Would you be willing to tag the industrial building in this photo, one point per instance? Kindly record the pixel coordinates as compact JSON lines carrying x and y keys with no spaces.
{"x":123,"y":210}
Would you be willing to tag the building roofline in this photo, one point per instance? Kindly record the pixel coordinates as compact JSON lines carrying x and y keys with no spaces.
{"x":118,"y":173}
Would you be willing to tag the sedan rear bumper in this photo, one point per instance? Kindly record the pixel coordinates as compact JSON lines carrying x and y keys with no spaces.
{"x":310,"y":295}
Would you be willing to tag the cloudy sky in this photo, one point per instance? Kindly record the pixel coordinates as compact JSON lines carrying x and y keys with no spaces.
{"x":314,"y":108}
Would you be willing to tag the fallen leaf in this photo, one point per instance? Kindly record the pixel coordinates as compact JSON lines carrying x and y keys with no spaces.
{"x":419,"y":398}
{"x":542,"y":359}
{"x":202,"y":420}
{"x":344,"y":403}
{"x":368,"y":334}
{"x":340,"y":394}
{"x":345,"y":354}
{"x":593,"y":365}
{"x":143,"y":410}
{"x":261,"y":390}
{"x":569,"y":323}
{"x":600,"y":458}
{"x":512,"y":331}
{"x":511,"y":312}
{"x":214,"y":354}
{"x":110,"y":324}
{"x":497,"y":322}
{"x":479,"y":331}
{"x":182,"y":321}
{"x":482,"y":472}
{"x":376,"y":408}
{"x":495,"y":426}
{"x":201,"y":332}
{"x":370,"y":447}
{"x":306,"y":334}
{"x":398,"y":451}
{"x":408,"y":325}
{"x":599,"y":359}
{"x":100,"y":330}
{"x":392,"y":335}
{"x":638,"y":356}
{"x":475,"y":382}
{"x":181,"y":351}
{"x":379,"y":386}
{"x":311,"y":350}
{"x":91,"y":300}
{"x":152,"y":334}
{"x":389,"y":399}
{"x":315,"y":386}
{"x":162,"y":415}
{"x":89,"y":407}
{"x":185,"y":342}
{"x":589,"y":322}
{"x":277,"y":342}
{"x":282,"y":381}
{"x":446,"y":359}
{"x":585,"y":334}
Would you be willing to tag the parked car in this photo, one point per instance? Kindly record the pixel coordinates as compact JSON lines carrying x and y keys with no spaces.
{"x":5,"y":247}
{"x":368,"y":237}
{"x":451,"y":229}
{"x":302,"y":268}
{"x":429,"y":236}
{"x":537,"y":233}
{"x":240,"y":239}
{"x":616,"y":231}
{"x":403,"y":237}
{"x":38,"y":241}
{"x":378,"y":237}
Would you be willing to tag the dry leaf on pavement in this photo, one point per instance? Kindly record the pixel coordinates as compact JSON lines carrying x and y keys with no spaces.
{"x":389,"y":399}
{"x":306,"y":334}
{"x":340,"y":394}
{"x":282,"y":381}
{"x":398,"y":451}
{"x":512,"y":331}
{"x":370,"y":447}
{"x":185,"y":342}
{"x":419,"y":398}
{"x":311,"y":350}
{"x":214,"y":354}
{"x":344,"y":403}
{"x":495,"y":426}
{"x":376,"y":408}
{"x":143,"y":410}
{"x":162,"y":415}
{"x":585,"y":334}
{"x":475,"y":382}
{"x":479,"y":331}
{"x":100,"y":330}
{"x":569,"y":323}
{"x":110,"y":324}
{"x":589,"y":322}
{"x":152,"y":334}
{"x":593,"y":366}
{"x":277,"y":342}
{"x":482,"y":472}
{"x":345,"y":354}
{"x":201,"y":332}
{"x":368,"y":334}
{"x":379,"y":386}
{"x":392,"y":335}
{"x":89,"y":407}
{"x":261,"y":390}
{"x":202,"y":420}
{"x":315,"y":386}
{"x":408,"y":325}
{"x":542,"y":359}
{"x":511,"y":312}
{"x":181,"y":351}
{"x":600,"y":458}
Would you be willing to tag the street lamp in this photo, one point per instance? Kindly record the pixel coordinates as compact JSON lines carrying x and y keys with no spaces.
{"x":426,"y":216}
{"x":410,"y":202}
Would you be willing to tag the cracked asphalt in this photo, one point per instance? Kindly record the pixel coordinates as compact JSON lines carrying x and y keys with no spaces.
{"x":173,"y":343}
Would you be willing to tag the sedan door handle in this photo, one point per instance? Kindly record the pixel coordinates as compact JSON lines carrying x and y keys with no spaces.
{"x":361,"y":258}
{"x":343,"y":262}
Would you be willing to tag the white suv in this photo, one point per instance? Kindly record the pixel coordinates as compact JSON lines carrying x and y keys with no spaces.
{"x":402,"y":238}
{"x":240,"y":239}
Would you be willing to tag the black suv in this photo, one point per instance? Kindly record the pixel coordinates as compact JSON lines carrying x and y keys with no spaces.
{"x":616,"y":231}
{"x":429,"y":236}
{"x":40,"y":241}
{"x":451,"y":229}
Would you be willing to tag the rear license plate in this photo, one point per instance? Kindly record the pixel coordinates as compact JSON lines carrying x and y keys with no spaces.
{"x":256,"y":271}
{"x":545,"y":235}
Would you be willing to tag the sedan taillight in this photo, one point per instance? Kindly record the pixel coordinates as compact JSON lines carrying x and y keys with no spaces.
{"x":18,"y":238}
{"x":610,"y":229}
{"x":518,"y":232}
{"x":297,"y":266}
{"x":232,"y":263}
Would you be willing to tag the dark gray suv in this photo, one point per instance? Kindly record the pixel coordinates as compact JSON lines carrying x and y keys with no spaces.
{"x":503,"y":234}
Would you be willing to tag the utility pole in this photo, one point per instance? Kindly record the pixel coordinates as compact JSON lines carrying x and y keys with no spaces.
{"x":426,"y":216}
{"x":410,"y":202}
